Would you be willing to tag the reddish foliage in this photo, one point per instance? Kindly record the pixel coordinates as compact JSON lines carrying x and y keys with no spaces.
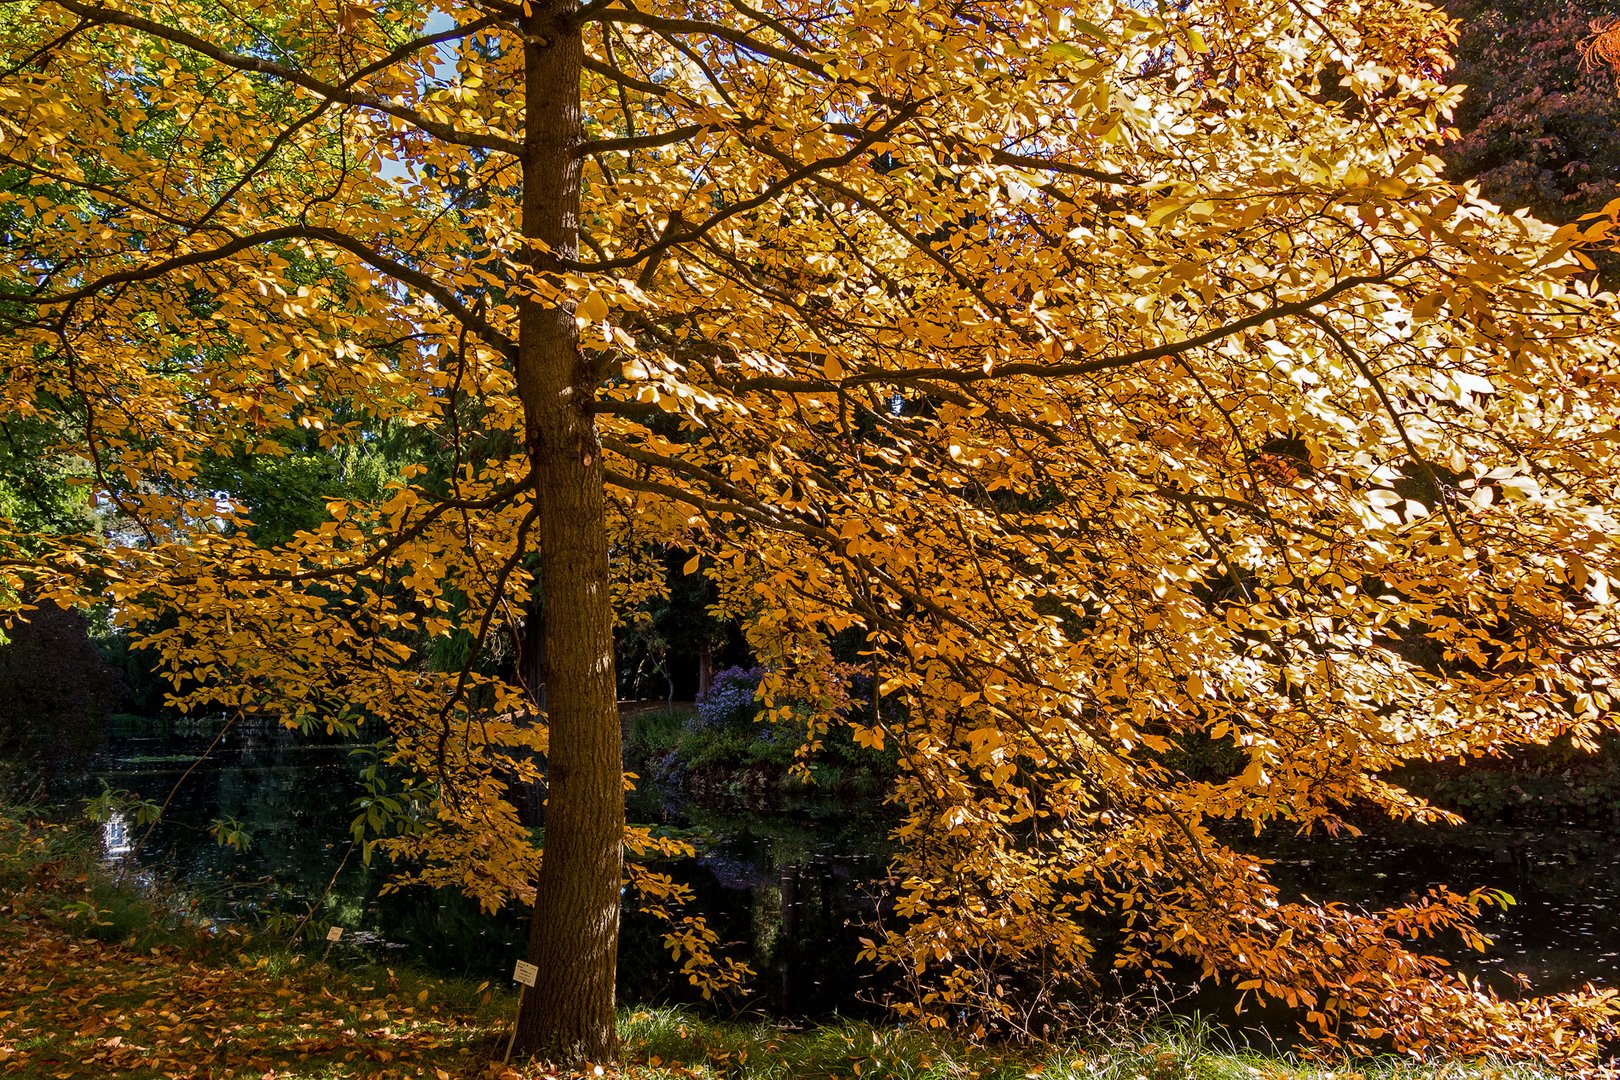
{"x":1538,"y":128}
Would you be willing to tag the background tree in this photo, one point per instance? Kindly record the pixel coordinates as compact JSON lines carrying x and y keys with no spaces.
{"x":1538,"y":129}
{"x":1117,"y":385}
{"x":56,"y":692}
{"x":56,"y":686}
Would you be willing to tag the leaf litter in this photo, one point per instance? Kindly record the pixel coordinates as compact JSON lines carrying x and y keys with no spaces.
{"x":73,"y":1007}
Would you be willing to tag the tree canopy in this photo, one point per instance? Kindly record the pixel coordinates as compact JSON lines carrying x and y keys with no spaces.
{"x":1184,"y":451}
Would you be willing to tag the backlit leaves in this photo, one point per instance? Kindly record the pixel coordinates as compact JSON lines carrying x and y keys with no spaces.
{"x":1180,"y":452}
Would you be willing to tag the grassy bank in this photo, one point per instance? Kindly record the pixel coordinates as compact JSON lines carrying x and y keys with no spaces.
{"x":101,"y":977}
{"x":732,"y":758}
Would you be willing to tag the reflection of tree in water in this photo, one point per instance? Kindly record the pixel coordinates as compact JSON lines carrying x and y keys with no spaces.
{"x":291,"y":799}
{"x":785,"y":890}
{"x":788,"y":894}
{"x":299,"y":816}
{"x":1559,"y":933}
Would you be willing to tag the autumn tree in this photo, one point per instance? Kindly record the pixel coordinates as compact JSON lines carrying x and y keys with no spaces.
{"x":1132,"y":385}
{"x":1538,"y":128}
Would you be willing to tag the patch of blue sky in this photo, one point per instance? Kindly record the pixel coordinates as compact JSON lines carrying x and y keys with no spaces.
{"x":444,"y":73}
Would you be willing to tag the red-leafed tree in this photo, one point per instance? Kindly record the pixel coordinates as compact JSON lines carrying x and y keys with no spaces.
{"x":1538,"y":128}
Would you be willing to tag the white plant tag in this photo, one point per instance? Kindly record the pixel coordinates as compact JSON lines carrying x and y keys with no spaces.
{"x":334,"y":933}
{"x":524,"y":972}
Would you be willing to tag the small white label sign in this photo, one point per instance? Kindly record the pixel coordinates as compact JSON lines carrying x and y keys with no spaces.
{"x":334,"y":933}
{"x":524,"y":972}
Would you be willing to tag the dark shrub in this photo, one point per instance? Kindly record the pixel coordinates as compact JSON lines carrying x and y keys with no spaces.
{"x":55,"y":691}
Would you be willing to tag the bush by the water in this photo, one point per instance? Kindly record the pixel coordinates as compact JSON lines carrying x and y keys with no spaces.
{"x":1553,"y":786}
{"x":722,"y":748}
{"x":732,"y":699}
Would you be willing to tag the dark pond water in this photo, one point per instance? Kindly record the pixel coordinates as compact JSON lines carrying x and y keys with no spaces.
{"x":1563,"y":930}
{"x":787,"y":890}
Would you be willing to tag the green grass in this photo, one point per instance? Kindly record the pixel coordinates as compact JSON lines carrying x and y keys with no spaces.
{"x":657,"y":730}
{"x":667,"y":1044}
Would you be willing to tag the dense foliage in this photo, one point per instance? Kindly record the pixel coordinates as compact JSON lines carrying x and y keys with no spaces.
{"x":731,"y":700}
{"x":1130,"y":388}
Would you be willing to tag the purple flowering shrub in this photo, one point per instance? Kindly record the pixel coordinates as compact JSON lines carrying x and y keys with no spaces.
{"x":730,"y":700}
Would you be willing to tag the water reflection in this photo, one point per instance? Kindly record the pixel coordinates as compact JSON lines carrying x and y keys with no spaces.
{"x":1561,"y":932}
{"x":787,"y":890}
{"x":783,"y":890}
{"x":116,"y":840}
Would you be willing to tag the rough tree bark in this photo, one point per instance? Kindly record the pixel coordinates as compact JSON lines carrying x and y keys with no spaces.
{"x":574,"y":935}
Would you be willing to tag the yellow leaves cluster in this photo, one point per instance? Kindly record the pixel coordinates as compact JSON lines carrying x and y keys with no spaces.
{"x":1074,"y":575}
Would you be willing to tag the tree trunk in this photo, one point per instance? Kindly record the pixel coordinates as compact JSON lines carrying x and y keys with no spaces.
{"x":531,"y":653}
{"x":705,"y":680}
{"x":574,"y":936}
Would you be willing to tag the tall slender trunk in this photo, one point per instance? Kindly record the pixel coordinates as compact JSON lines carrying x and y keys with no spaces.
{"x":705,"y":679}
{"x":574,"y":936}
{"x":531,"y":654}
